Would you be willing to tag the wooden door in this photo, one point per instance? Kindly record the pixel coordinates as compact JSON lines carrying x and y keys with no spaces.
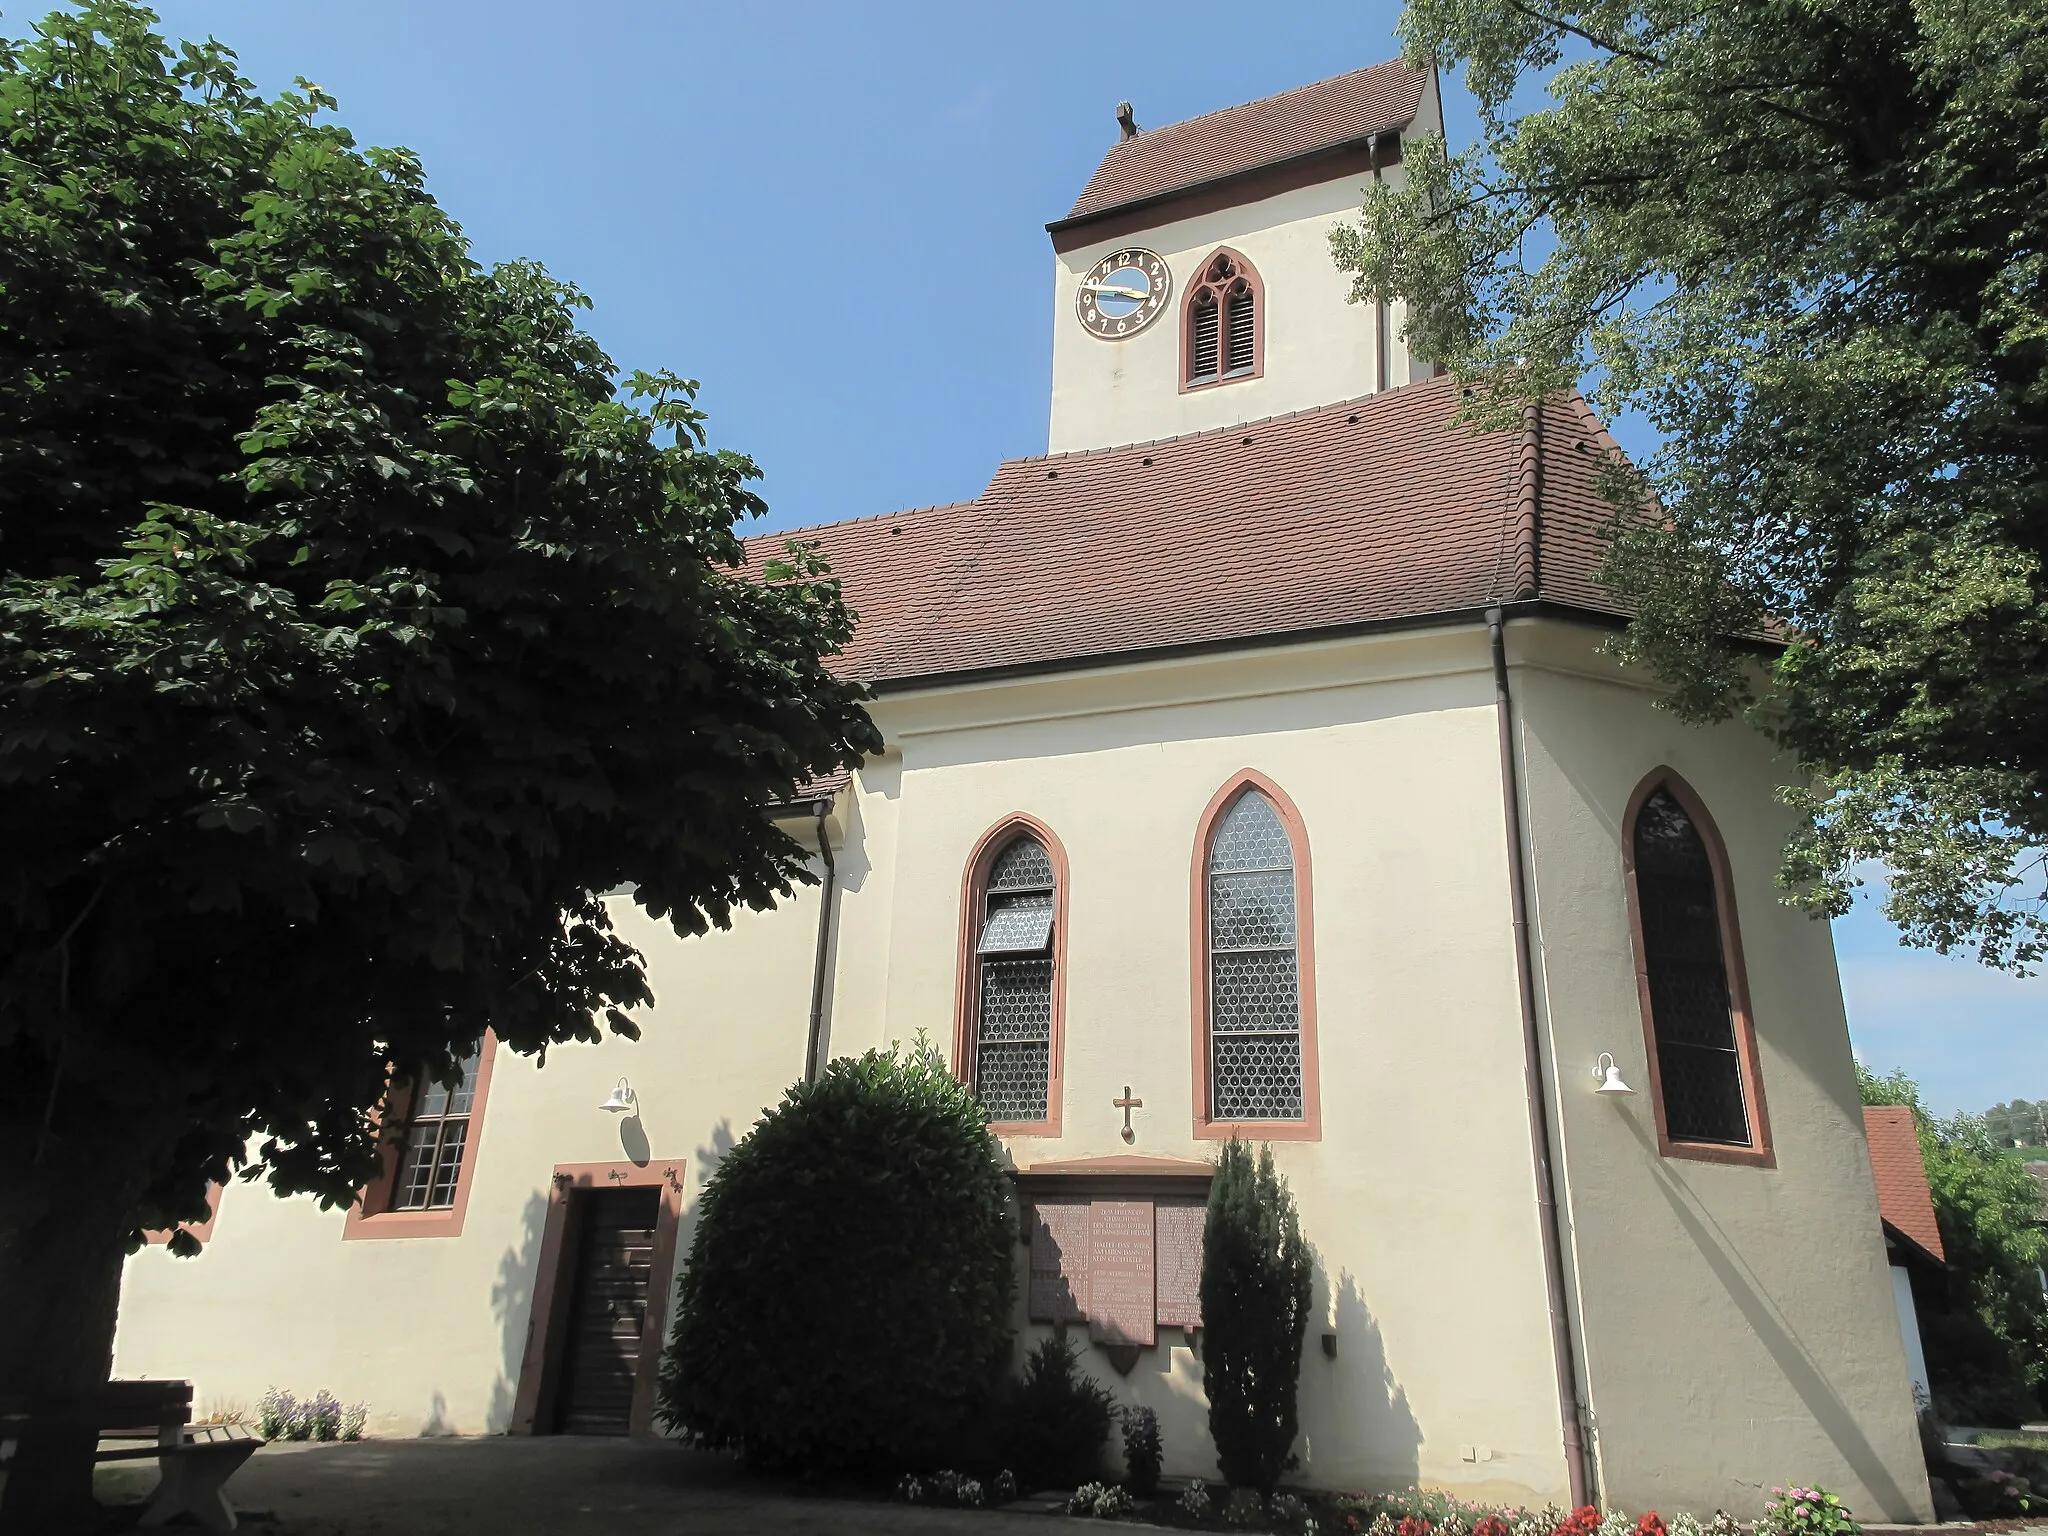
{"x":614,"y":1273}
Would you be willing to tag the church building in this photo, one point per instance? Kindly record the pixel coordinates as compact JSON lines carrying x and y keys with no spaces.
{"x":1253,"y":767}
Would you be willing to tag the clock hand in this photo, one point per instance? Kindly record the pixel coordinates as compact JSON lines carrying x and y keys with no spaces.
{"x":1139,"y":294}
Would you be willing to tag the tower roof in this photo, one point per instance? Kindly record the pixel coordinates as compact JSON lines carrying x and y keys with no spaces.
{"x":1380,"y":511}
{"x":1160,"y":163}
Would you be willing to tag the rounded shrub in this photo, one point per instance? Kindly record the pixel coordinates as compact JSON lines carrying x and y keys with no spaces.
{"x":846,"y":1303}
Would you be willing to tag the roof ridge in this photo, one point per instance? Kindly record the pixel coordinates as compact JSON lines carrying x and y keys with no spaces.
{"x":1258,"y":101}
{"x":864,"y":517}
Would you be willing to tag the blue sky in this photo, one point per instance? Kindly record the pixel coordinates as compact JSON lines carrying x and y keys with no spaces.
{"x":832,"y":215}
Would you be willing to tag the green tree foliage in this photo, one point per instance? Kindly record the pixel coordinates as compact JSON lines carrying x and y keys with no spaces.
{"x":1991,"y":1362}
{"x":354,"y":633}
{"x":846,"y":1304}
{"x":1809,"y":244}
{"x":2018,"y":1124}
{"x":1055,"y":1419}
{"x":1256,"y":1270}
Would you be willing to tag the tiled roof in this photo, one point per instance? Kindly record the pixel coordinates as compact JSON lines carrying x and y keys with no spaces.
{"x":1377,"y":510}
{"x":1903,"y":1199}
{"x":1183,"y":155}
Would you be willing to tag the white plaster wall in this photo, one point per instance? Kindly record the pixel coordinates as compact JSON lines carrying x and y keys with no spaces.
{"x":429,"y":1331}
{"x":1319,"y":346}
{"x":1738,"y":1322}
{"x":1421,"y":1210}
{"x":1738,"y":1325}
{"x":1419,"y":1201}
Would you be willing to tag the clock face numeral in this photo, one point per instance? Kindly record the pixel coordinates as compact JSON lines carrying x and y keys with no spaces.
{"x":1123,"y":293}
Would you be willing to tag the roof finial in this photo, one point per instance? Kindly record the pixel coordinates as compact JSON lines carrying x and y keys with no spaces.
{"x":1126,"y":119}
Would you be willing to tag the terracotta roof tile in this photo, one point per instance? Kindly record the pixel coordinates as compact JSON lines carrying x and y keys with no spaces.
{"x":1183,"y":155}
{"x":1903,"y":1199}
{"x":1374,"y":510}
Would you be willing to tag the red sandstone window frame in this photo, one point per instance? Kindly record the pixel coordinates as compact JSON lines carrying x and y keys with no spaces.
{"x":1203,"y":283}
{"x":967,"y":985}
{"x":372,"y":1216}
{"x":1310,"y":1126}
{"x":1760,"y":1153}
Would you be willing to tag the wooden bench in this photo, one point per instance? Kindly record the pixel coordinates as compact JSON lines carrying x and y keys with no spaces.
{"x":194,"y":1461}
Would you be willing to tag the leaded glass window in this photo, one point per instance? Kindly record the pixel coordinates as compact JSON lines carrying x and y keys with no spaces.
{"x":1692,"y":1013}
{"x":1254,"y":966}
{"x":1014,"y":981}
{"x":436,"y":1136}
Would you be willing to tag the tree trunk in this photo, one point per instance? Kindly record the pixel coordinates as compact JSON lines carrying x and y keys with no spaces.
{"x":63,"y":1232}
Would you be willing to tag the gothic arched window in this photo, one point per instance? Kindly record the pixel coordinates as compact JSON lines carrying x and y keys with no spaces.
{"x":1702,"y":1048}
{"x":1010,"y":1026}
{"x":1255,"y":989}
{"x":1222,"y":319}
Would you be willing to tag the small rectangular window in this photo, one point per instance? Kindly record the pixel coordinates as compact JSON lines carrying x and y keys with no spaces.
{"x":436,"y":1135}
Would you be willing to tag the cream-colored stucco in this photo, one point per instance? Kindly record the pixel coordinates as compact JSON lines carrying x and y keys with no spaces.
{"x":1736,"y":1323}
{"x":1319,"y":346}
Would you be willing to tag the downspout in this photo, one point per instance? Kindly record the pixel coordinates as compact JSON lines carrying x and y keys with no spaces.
{"x":1379,"y":304}
{"x":1564,"y":1356}
{"x":817,"y":1034}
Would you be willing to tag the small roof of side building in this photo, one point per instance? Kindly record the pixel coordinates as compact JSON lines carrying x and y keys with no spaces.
{"x":1904,"y":1201}
{"x":1374,"y":513}
{"x":1159,"y":163}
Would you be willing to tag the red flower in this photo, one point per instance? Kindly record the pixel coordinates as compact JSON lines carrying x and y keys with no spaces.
{"x":1583,"y":1521}
{"x":1413,"y":1525}
{"x":1491,"y":1525}
{"x":1650,"y":1525}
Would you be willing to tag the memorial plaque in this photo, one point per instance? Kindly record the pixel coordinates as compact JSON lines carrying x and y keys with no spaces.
{"x":1120,"y":1288}
{"x":1179,"y":1265}
{"x":1059,"y":1261}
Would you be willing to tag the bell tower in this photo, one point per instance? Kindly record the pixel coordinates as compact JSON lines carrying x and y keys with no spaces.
{"x":1193,"y":285}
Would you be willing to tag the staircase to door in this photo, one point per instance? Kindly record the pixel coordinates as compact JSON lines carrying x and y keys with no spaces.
{"x":608,"y":1313}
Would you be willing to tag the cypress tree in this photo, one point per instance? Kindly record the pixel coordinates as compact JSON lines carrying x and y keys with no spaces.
{"x":1255,"y":1296}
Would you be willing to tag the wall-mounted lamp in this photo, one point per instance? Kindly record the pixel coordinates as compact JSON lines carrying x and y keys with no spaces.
{"x":1610,"y":1076}
{"x":622,"y":1100}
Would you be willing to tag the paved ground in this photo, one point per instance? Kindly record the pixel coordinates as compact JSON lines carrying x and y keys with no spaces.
{"x":508,"y":1487}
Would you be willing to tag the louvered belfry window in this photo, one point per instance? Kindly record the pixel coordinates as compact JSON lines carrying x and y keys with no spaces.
{"x":1202,"y":354}
{"x":436,"y":1138}
{"x":1240,"y":355}
{"x":1223,"y":321}
{"x":1692,"y":1011}
{"x":1254,"y":966}
{"x":1014,"y":982}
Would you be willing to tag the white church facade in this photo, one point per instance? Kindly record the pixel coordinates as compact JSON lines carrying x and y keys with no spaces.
{"x":1252,"y":767}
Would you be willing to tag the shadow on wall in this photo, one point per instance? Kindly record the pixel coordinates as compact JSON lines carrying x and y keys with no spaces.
{"x":512,"y":1306}
{"x":1356,"y":1427}
{"x":437,"y":1418}
{"x":1775,"y":1332}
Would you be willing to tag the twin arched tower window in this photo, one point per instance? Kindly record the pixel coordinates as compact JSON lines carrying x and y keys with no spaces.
{"x":1221,"y":323}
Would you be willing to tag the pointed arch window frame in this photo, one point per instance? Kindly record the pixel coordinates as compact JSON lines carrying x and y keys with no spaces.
{"x":1206,"y":1126}
{"x":967,"y":985}
{"x":1193,"y":290}
{"x":1761,"y":1152}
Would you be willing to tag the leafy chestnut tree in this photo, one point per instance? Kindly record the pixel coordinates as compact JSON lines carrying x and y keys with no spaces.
{"x":1809,"y":244}
{"x":355,"y":632}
